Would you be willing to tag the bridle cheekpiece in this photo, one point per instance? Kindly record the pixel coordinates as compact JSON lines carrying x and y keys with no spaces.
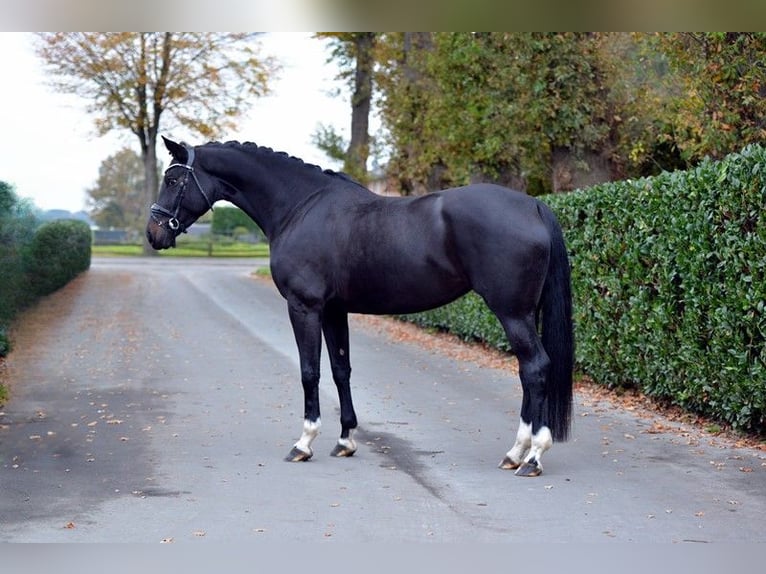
{"x":172,"y":221}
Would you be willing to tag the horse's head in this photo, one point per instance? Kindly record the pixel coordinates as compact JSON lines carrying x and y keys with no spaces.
{"x":186,"y":192}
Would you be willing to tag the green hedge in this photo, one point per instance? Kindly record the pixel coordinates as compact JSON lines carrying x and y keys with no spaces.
{"x":17,"y":228}
{"x":227,"y":220}
{"x":467,"y":318}
{"x":35,"y":260}
{"x":669,"y":286}
{"x":59,"y":251}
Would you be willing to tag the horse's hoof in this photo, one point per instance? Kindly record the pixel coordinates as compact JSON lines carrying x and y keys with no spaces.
{"x":297,"y":455}
{"x":508,"y":464}
{"x":342,"y":451}
{"x":530,"y":469}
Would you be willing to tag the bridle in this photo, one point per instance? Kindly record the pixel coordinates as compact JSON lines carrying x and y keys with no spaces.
{"x":172,"y":221}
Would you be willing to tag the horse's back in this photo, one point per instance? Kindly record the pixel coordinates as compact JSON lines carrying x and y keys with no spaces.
{"x":428,"y":250}
{"x":493,"y":208}
{"x":399,"y":257}
{"x":403,"y":255}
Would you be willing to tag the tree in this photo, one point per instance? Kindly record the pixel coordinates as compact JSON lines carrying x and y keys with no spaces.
{"x":354,"y":53}
{"x":17,"y":219}
{"x":725,"y":89}
{"x":116,"y":198}
{"x":504,"y":107}
{"x":537,"y":111}
{"x":406,"y":91}
{"x":142,"y":81}
{"x":643,"y":91}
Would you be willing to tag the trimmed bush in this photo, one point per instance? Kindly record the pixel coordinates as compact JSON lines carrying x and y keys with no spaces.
{"x":230,"y":220}
{"x":17,"y":228}
{"x":467,"y":318}
{"x":34,"y":261}
{"x":5,"y":343}
{"x":669,"y":286}
{"x":59,"y":251}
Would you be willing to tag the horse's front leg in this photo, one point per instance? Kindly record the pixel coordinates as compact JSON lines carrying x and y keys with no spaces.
{"x":306,"y":323}
{"x":335,"y":327}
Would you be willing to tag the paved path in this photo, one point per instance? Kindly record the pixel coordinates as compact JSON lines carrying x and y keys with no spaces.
{"x":154,"y":399}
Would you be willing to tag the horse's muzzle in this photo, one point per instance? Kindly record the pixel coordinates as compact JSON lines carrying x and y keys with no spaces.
{"x":158,"y":236}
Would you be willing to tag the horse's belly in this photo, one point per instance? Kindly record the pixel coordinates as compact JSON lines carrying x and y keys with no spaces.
{"x":402,"y":292}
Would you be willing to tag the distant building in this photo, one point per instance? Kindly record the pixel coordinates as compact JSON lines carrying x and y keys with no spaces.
{"x":110,"y":236}
{"x":199,"y":229}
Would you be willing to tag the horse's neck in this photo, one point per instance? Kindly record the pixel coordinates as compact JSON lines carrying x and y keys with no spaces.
{"x":273,"y":187}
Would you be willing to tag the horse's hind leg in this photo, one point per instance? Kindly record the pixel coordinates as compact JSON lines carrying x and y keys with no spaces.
{"x":533,"y":437}
{"x":335,"y":327}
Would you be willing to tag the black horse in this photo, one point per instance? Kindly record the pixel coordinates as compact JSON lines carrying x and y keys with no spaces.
{"x":338,"y":248}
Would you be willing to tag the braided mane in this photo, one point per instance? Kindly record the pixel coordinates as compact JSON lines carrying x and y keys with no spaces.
{"x":254,"y":148}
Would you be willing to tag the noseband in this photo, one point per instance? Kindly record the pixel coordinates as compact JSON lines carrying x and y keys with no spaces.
{"x":172,"y":221}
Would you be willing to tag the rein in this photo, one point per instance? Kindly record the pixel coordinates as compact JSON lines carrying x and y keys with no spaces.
{"x":172,"y":221}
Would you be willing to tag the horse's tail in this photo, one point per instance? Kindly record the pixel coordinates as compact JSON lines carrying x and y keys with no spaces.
{"x":557,"y":329}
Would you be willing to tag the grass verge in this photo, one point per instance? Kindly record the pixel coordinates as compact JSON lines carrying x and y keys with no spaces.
{"x":188,"y":249}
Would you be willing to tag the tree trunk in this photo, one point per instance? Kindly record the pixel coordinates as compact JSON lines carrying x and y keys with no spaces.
{"x":149,"y":156}
{"x":359,"y":146}
{"x":413,"y":44}
{"x":570,"y":172}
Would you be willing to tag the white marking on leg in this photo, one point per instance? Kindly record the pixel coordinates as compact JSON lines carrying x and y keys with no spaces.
{"x":522,"y":444}
{"x":348,"y":443}
{"x":310,"y":432}
{"x":542,"y":440}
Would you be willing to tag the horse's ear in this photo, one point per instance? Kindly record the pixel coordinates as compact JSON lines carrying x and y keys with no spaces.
{"x":178,"y":151}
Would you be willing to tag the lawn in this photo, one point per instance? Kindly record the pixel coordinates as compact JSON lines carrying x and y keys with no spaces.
{"x":190,"y":249}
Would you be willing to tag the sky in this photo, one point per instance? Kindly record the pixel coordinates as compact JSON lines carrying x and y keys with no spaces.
{"x":50,"y":152}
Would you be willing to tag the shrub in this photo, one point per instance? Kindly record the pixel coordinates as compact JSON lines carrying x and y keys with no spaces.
{"x":669,"y":286}
{"x":34,"y":260}
{"x":227,"y":220}
{"x":59,"y":251}
{"x":5,"y":343}
{"x":467,"y":318}
{"x":17,"y":227}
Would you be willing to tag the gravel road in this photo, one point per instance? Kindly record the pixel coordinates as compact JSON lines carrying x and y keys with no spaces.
{"x":154,"y":399}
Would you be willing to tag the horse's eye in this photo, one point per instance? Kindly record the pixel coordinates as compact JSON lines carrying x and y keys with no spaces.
{"x":171,"y":181}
